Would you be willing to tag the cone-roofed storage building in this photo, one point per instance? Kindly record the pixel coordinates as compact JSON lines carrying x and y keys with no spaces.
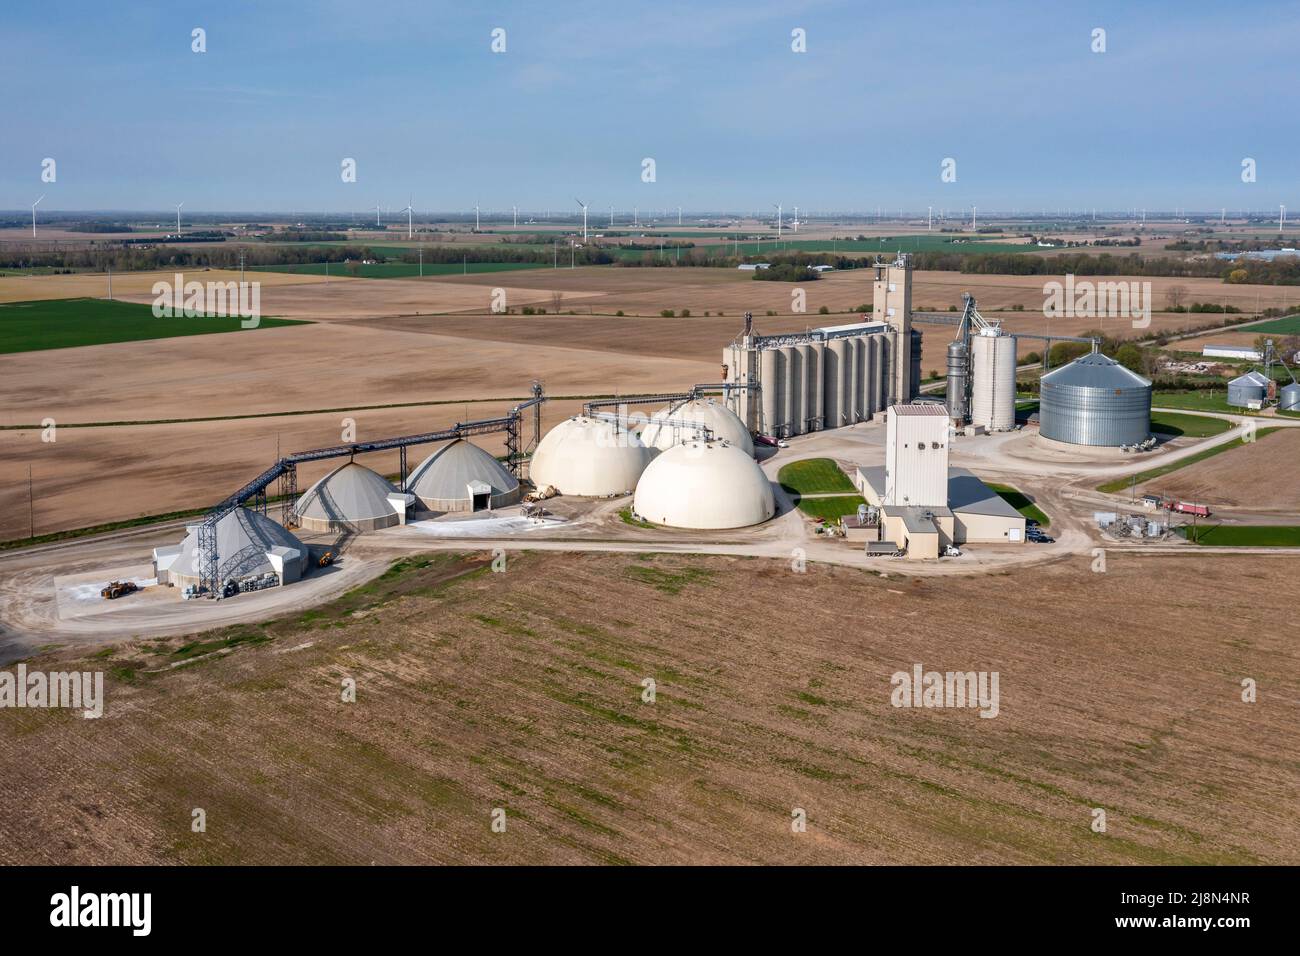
{"x":351,"y":498}
{"x":249,"y":545}
{"x":460,"y":476}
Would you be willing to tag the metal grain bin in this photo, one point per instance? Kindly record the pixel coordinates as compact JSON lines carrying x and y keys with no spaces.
{"x":1251,"y":387}
{"x":1095,"y":401}
{"x":1289,"y":398}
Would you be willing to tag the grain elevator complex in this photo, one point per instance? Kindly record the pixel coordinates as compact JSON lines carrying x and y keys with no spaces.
{"x":792,"y":384}
{"x":705,"y":459}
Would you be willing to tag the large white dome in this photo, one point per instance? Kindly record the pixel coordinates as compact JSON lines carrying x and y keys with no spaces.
{"x":708,"y":485}
{"x":718,"y":418}
{"x":589,"y":457}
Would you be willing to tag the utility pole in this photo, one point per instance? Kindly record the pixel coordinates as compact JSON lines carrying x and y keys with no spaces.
{"x":110,"y":283}
{"x":422,"y":262}
{"x":31,"y":506}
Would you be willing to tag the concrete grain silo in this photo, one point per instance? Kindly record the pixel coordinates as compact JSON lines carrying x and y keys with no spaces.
{"x":704,"y":485}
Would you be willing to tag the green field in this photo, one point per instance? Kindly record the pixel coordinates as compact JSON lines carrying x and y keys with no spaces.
{"x":1020,"y":501}
{"x":68,"y":323}
{"x":1243,"y":536}
{"x":815,"y":476}
{"x":398,"y":270}
{"x":831,"y":508}
{"x":1119,"y":484}
{"x":1199,"y":400}
{"x":1194,"y":426}
{"x":1286,"y":325}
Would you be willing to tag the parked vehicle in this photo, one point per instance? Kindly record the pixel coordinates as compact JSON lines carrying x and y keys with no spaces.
{"x":1189,"y":508}
{"x":117,"y":589}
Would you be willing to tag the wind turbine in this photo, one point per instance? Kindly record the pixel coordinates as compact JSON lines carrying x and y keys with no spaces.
{"x":611,"y":217}
{"x":34,"y":205}
{"x":476,"y":217}
{"x":796,"y":218}
{"x":516,"y":209}
{"x":409,"y":213}
{"x":679,"y":215}
{"x":178,"y":217}
{"x":1281,"y":219}
{"x":378,"y":207}
{"x":777,"y":207}
{"x":584,"y":219}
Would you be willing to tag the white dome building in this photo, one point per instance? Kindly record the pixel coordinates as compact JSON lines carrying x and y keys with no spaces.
{"x":589,"y":457}
{"x":351,"y":498}
{"x":705,"y":485}
{"x":460,"y":476}
{"x":717,"y":417}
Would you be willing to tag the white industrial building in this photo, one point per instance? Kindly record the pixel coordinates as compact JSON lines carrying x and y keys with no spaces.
{"x":925,"y":505}
{"x":589,"y":457}
{"x":666,"y":427}
{"x":1232,"y":352}
{"x":707,"y":485}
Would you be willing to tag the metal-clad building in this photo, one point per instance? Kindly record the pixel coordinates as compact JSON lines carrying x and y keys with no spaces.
{"x":1095,"y":401}
{"x":1251,"y":387}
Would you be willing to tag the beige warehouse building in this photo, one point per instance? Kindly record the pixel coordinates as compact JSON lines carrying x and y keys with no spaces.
{"x":925,"y":505}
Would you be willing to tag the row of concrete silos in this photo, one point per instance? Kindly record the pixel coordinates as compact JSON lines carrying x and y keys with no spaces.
{"x":823,"y":384}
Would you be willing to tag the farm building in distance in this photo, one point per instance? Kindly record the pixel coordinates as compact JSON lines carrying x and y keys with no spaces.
{"x":1232,"y":352}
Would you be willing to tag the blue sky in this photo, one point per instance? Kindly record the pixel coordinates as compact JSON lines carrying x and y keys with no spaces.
{"x":711,"y":90}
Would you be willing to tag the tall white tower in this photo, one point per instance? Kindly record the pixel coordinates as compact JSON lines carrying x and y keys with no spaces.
{"x":916,"y":456}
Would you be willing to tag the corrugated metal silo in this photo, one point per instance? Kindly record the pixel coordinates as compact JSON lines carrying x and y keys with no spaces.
{"x":958,"y":370}
{"x":1289,"y":398}
{"x":1094,"y":401}
{"x":993,"y":399}
{"x":915,"y":373}
{"x":1251,"y":387}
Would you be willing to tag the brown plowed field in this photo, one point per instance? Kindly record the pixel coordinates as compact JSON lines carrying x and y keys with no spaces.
{"x":522,"y":691}
{"x":1263,"y":474}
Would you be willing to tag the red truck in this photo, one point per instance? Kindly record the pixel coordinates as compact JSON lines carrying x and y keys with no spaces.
{"x":1187,"y":508}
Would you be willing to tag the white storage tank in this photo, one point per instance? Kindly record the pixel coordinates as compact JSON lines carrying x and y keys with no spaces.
{"x":589,"y":457}
{"x":993,"y":396}
{"x":704,"y":485}
{"x":717,"y":417}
